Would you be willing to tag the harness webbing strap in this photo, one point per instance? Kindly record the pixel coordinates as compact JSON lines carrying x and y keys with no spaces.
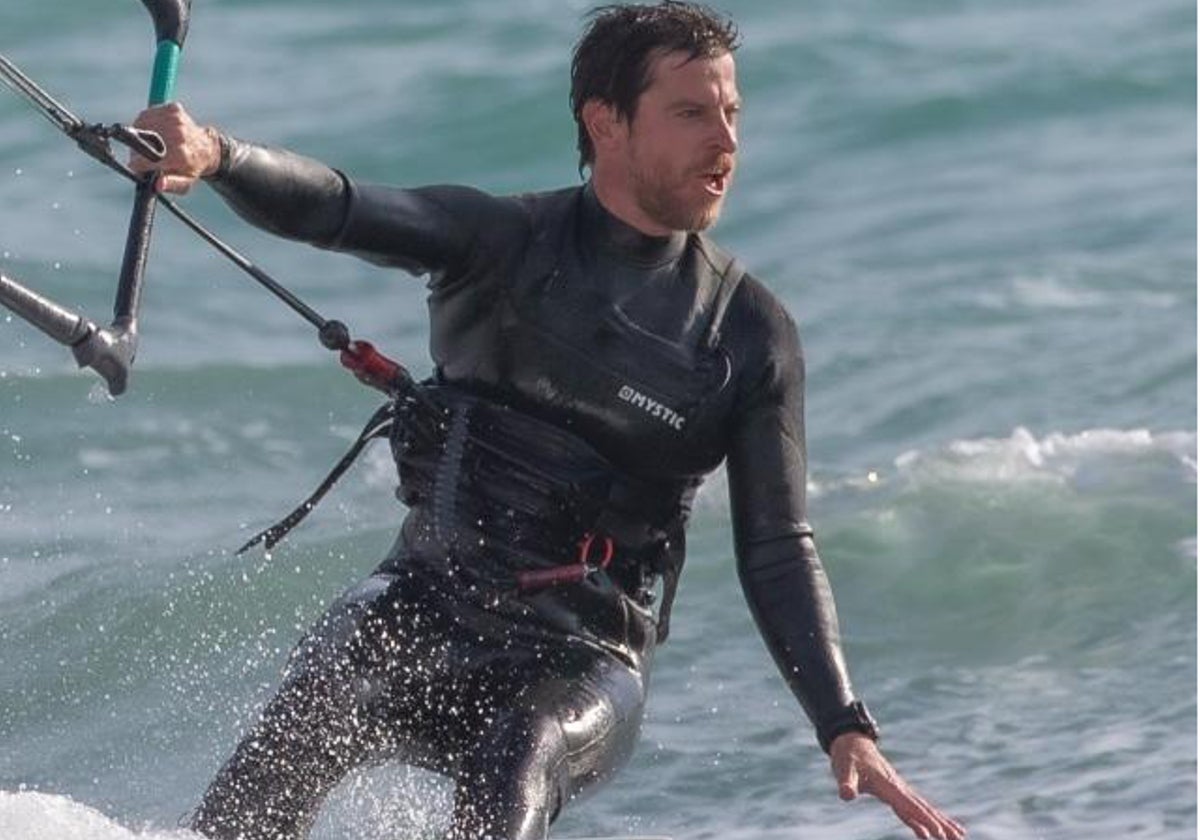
{"x":731,"y":278}
{"x":378,"y":426}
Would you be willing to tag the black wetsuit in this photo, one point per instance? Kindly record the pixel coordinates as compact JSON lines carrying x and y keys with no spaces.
{"x":623,"y":341}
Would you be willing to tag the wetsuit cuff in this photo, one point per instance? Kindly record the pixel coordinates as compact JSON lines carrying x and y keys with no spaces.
{"x":223,"y":142}
{"x":853,"y":717}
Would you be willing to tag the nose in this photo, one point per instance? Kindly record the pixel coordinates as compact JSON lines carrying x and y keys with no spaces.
{"x":725,"y":135}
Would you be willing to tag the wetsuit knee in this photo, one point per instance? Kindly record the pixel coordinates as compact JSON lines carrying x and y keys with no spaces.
{"x":562,"y":739}
{"x":514,"y":783}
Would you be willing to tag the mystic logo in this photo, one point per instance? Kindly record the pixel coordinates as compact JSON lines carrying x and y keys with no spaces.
{"x":652,"y":407}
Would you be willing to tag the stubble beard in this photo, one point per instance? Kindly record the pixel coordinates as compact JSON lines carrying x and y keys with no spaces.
{"x":662,"y":197}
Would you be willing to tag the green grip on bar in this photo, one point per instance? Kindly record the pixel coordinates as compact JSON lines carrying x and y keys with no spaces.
{"x":166,"y":66}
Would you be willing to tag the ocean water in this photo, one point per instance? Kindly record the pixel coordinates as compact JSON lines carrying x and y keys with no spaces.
{"x":982,"y":216}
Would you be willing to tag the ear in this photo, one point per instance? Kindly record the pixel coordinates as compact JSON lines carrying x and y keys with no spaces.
{"x":603,"y":124}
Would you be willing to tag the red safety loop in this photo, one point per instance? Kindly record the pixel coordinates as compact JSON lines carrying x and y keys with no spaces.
{"x":533,"y":579}
{"x":585,"y":552}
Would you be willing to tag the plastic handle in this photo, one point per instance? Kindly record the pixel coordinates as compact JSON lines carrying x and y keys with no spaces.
{"x":171,"y":19}
{"x":370,"y":366}
{"x":535,"y":579}
{"x":166,"y":67}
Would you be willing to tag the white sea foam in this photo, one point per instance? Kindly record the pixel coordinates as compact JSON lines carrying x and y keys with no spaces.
{"x":1053,"y":293}
{"x":1050,"y":291}
{"x":1056,"y":456}
{"x":1020,"y":457}
{"x":29,"y":815}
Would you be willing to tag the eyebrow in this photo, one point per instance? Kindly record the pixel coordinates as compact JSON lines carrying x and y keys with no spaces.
{"x":696,"y":103}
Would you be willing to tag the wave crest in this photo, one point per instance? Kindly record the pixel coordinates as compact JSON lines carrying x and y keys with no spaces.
{"x":1056,"y":456}
{"x":30,"y":815}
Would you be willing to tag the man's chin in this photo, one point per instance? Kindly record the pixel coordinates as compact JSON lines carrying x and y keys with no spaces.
{"x":700,"y":217}
{"x":691,"y":217}
{"x":707,"y":218}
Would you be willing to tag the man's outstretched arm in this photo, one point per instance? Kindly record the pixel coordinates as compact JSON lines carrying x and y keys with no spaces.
{"x":786,"y":586}
{"x":426,"y":230}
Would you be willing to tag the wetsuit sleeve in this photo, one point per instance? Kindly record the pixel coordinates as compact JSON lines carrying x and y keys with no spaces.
{"x":780,"y":571}
{"x":424,"y":231}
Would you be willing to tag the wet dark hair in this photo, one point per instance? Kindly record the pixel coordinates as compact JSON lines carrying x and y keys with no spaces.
{"x":612,"y":58}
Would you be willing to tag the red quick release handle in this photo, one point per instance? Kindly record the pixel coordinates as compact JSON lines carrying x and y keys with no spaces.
{"x":372,"y":367}
{"x":534,"y":579}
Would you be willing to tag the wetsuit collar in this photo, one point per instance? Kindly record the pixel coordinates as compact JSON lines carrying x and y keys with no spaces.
{"x":623,"y":241}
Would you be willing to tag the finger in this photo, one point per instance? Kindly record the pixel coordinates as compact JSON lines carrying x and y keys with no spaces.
{"x":928,"y":821}
{"x":910,"y":808}
{"x":920,"y":824}
{"x":153,"y":119}
{"x":848,"y":783}
{"x":953,"y":829}
{"x":141,"y":165}
{"x":941,"y":825}
{"x":174,"y":184}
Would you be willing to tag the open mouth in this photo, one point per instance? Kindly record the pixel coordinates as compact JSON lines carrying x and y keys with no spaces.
{"x":716,"y":178}
{"x":716,"y":181}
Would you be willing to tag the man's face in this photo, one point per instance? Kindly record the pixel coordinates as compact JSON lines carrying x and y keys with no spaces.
{"x":679,"y":149}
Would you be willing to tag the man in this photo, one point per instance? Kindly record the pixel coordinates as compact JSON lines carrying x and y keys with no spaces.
{"x":596,"y":356}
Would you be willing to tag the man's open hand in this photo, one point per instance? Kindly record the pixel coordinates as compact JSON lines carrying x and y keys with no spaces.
{"x":859,"y":767}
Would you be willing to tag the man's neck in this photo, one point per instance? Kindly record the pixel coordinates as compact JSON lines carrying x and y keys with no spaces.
{"x":616,"y":237}
{"x":618,"y":200}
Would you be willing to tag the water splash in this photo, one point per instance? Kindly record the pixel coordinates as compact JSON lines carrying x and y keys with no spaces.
{"x":30,"y":815}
